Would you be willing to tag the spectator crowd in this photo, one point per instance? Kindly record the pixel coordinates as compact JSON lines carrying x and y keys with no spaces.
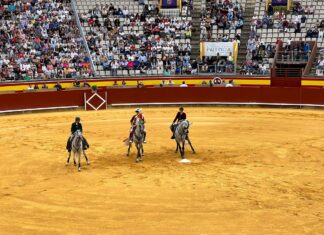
{"x":131,"y":42}
{"x":39,"y":39}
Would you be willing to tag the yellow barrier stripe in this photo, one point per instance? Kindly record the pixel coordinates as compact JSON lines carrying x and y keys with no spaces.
{"x":134,"y":83}
{"x":264,"y":82}
{"x":312,"y":83}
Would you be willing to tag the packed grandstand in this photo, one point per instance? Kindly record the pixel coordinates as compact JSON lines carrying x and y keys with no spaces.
{"x":50,"y":39}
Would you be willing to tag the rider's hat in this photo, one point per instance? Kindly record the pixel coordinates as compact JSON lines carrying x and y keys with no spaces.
{"x":137,"y":110}
{"x":77,"y":119}
{"x":181,"y":108}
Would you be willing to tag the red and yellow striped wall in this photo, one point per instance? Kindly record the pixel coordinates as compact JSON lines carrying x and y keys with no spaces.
{"x":241,"y":81}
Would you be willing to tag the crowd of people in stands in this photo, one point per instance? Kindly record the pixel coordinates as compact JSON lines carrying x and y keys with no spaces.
{"x":186,"y":7}
{"x":320,"y":64}
{"x":257,"y":56}
{"x":39,"y":39}
{"x":124,"y":41}
{"x":220,"y":15}
{"x":223,"y":15}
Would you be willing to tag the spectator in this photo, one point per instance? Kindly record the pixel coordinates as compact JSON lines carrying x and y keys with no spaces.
{"x":58,"y":86}
{"x":170,"y":82}
{"x":183,"y":84}
{"x":76,"y":83}
{"x":230,"y":84}
{"x":85,"y":84}
{"x":44,"y":86}
{"x":30,"y":88}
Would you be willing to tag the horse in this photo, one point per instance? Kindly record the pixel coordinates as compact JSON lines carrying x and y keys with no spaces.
{"x":181,"y":135}
{"x":77,"y":148}
{"x":138,"y":138}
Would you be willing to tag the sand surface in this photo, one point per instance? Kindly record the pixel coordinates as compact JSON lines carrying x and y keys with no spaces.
{"x":256,"y":171}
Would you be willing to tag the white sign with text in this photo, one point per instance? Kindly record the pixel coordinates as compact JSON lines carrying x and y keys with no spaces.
{"x":223,"y":48}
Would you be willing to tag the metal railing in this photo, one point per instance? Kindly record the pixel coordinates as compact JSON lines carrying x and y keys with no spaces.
{"x":216,"y":69}
{"x":286,"y":72}
{"x":85,"y":43}
{"x":293,"y":56}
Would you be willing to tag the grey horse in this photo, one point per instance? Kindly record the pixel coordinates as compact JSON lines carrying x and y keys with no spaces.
{"x":181,"y":135}
{"x":138,"y":138}
{"x":77,"y":148}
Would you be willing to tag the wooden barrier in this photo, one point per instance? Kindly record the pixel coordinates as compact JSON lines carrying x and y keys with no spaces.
{"x":247,"y":95}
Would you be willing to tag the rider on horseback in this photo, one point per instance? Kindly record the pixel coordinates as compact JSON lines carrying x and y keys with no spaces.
{"x":76,"y":126}
{"x":138,"y":117}
{"x":181,"y":116}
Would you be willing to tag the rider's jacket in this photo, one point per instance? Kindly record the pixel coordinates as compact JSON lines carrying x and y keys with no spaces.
{"x":133,"y":119}
{"x":180,"y":117}
{"x":76,"y":126}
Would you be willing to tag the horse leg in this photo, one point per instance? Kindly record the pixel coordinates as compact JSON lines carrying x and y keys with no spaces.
{"x":85,"y":155}
{"x":183,"y":153}
{"x":142,"y":151}
{"x":177,"y":147}
{"x":138,"y":152}
{"x":79,"y":157}
{"x":68,"y":160}
{"x":193,"y":150}
{"x":74,"y":161}
{"x":129,"y":146}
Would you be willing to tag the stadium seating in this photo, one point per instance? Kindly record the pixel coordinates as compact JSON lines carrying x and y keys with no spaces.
{"x":40,"y":40}
{"x":221,"y":22}
{"x":139,"y":39}
{"x":298,"y":25}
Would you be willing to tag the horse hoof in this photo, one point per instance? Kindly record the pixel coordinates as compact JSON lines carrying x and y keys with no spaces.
{"x":79,"y":169}
{"x":88,"y":162}
{"x":66,"y":163}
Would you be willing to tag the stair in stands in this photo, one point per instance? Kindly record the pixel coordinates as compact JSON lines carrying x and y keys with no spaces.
{"x":248,"y":14}
{"x":195,"y":36}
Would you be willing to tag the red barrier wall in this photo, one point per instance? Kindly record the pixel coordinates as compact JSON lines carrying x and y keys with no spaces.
{"x":45,"y":99}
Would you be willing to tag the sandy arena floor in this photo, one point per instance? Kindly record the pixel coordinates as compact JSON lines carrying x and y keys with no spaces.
{"x":256,"y":171}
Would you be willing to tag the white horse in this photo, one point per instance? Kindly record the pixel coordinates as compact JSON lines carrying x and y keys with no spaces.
{"x":181,"y":135}
{"x":77,"y":148}
{"x":138,"y":138}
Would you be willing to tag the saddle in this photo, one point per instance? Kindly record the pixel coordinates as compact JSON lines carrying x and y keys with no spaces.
{"x":85,"y":144}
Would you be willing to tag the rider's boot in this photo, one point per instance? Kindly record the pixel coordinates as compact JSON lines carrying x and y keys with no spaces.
{"x":172,"y":137}
{"x":68,"y":145}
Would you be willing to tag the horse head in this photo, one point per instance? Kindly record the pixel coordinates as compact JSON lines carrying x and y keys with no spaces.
{"x":78,"y":133}
{"x":186,"y":125}
{"x":77,"y":140}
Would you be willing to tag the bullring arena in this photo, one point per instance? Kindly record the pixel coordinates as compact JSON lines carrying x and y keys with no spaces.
{"x":256,"y":171}
{"x":249,"y":74}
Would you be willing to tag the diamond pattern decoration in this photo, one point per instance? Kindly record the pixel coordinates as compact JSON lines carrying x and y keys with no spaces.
{"x":95,"y":95}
